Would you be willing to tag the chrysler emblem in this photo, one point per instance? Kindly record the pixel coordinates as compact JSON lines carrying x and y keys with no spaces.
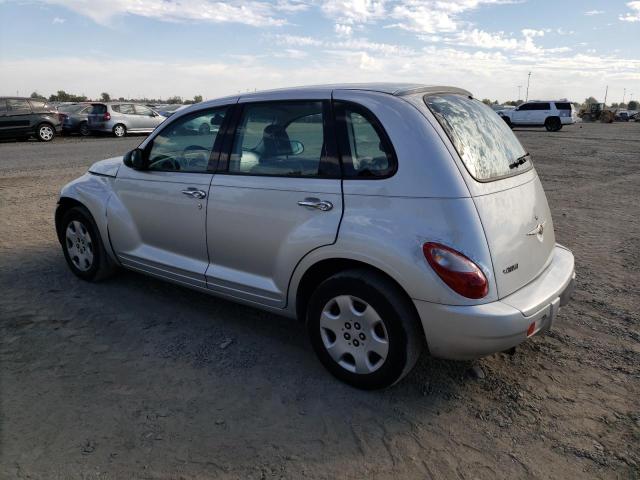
{"x":538,"y":231}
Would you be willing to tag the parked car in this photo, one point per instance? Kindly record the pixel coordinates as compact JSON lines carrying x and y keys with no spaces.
{"x":622,"y":116}
{"x":550,"y":114}
{"x":168,"y":110}
{"x":387,"y":217}
{"x":22,"y":118}
{"x":75,"y":118}
{"x":122,"y":118}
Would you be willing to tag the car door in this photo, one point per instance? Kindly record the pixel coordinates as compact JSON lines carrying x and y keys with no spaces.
{"x":4,"y":121}
{"x":157,"y":215}
{"x":275,"y":197}
{"x":522,"y":114}
{"x":540,"y":113}
{"x":147,"y":118}
{"x":18,"y":120}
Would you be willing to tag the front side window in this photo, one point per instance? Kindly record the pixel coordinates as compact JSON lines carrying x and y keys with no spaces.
{"x":487,"y":146}
{"x":3,"y":105}
{"x":17,"y":105}
{"x":365,"y":148}
{"x":280,"y":139}
{"x":525,"y":107}
{"x":185,"y":145}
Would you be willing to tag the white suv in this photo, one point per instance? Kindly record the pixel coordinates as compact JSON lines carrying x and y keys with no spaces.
{"x":552,"y":114}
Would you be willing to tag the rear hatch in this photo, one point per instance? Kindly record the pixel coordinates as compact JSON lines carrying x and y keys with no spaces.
{"x":509,"y":197}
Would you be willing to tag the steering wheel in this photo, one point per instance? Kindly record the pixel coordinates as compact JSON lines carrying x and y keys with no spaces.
{"x":164,"y":162}
{"x":203,"y":157}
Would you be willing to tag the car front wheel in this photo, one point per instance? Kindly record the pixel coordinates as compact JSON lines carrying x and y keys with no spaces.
{"x":45,"y":132}
{"x":82,"y":246}
{"x":84,"y":129}
{"x":364,"y":329}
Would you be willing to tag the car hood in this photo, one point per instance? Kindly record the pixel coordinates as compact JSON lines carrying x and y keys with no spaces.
{"x":107,"y":168}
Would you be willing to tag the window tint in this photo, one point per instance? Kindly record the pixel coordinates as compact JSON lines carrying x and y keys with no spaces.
{"x":125,"y":108}
{"x":3,"y":106}
{"x":487,"y":146}
{"x":526,"y":106}
{"x":280,"y":138}
{"x":366,"y":152}
{"x":37,"y":104}
{"x":541,"y":106}
{"x":18,"y":105}
{"x":185,"y":145}
{"x":142,"y":110}
{"x":563,"y":105}
{"x":98,"y":109}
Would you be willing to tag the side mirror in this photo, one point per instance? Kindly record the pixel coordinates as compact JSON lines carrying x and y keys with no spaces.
{"x":296,"y":147}
{"x":134,"y":159}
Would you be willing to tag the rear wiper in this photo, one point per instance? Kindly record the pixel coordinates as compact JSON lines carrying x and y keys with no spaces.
{"x":519,"y":161}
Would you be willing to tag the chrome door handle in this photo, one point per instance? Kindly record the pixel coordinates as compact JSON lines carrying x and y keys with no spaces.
{"x":316,"y":203}
{"x":195,"y":193}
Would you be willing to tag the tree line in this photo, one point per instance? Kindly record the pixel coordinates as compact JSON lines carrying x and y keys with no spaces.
{"x":62,"y":96}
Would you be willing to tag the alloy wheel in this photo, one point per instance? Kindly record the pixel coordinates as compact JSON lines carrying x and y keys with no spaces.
{"x":46,"y":133}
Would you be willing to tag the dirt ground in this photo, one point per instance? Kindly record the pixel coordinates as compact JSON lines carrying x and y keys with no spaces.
{"x":136,"y":378}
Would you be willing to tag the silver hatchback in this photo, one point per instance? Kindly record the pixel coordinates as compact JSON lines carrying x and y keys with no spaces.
{"x":122,"y":118}
{"x":389,"y":218}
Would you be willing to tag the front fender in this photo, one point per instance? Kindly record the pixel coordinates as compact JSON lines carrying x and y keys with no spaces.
{"x":93,"y":192}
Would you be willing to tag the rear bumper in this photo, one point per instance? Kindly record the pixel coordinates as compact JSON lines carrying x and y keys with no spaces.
{"x":467,"y":332}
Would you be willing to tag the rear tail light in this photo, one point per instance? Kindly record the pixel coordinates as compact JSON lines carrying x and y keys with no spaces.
{"x":457,"y":271}
{"x":106,"y":116}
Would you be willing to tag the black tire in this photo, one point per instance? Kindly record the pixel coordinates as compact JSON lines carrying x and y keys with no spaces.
{"x":119,"y":130}
{"x":45,"y":132}
{"x":404,"y":335}
{"x":102,"y":266}
{"x":552,"y":124}
{"x":83,"y":129}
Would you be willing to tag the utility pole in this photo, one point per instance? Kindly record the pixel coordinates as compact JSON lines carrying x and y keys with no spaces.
{"x":519,"y":91}
{"x":606,"y":92}
{"x":528,"y":79}
{"x":624,"y":94}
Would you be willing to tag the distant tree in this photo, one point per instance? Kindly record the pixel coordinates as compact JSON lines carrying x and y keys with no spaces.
{"x":622,"y":105}
{"x":105,"y":97}
{"x":174,"y":99}
{"x":121,"y":99}
{"x":590,"y":100}
{"x":614,"y":105}
{"x":35,"y":95}
{"x":197,"y":98}
{"x":633,"y":105}
{"x":487,"y":101}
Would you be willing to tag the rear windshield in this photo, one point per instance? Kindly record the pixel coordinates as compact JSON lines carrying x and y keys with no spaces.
{"x":98,"y":109}
{"x":563,"y":105}
{"x":487,"y":146}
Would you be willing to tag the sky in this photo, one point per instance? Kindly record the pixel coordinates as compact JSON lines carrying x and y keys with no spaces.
{"x":161,"y":48}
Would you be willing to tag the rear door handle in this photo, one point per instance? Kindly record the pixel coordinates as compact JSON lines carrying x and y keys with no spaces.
{"x":323,"y":205}
{"x":195,"y":193}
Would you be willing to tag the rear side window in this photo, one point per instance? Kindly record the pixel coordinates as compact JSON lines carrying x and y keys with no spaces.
{"x":563,"y":105}
{"x":282,"y":139}
{"x":18,"y":105}
{"x":37,"y":104}
{"x":3,"y":105}
{"x":126,"y":108}
{"x":98,"y":109}
{"x":365,"y":148}
{"x":487,"y":146}
{"x":541,"y":106}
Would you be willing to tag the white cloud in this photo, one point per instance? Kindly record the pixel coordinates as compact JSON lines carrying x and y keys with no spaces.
{"x":634,"y":16}
{"x":354,"y":11}
{"x":58,"y":20}
{"x":295,"y":40}
{"x":343,"y":30}
{"x":253,"y":12}
{"x":590,"y":13}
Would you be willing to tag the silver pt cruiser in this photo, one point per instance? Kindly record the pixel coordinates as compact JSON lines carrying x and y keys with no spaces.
{"x":389,"y":218}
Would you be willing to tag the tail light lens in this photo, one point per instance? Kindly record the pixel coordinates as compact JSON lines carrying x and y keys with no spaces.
{"x":457,"y":271}
{"x":106,"y":116}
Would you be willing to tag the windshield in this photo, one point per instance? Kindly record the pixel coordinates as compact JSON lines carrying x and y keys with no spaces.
{"x":487,"y":146}
{"x":70,"y":108}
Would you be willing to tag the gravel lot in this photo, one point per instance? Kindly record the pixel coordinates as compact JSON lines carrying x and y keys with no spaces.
{"x":136,"y":378}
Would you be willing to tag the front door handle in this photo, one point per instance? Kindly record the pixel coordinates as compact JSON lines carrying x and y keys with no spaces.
{"x":316,"y":203}
{"x":195,"y":193}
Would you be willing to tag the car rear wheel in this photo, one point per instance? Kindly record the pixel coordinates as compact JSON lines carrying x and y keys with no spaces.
{"x":45,"y":132}
{"x":364,"y":329}
{"x":119,"y":130}
{"x":553,"y":124}
{"x":84,"y":129}
{"x":82,"y":246}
